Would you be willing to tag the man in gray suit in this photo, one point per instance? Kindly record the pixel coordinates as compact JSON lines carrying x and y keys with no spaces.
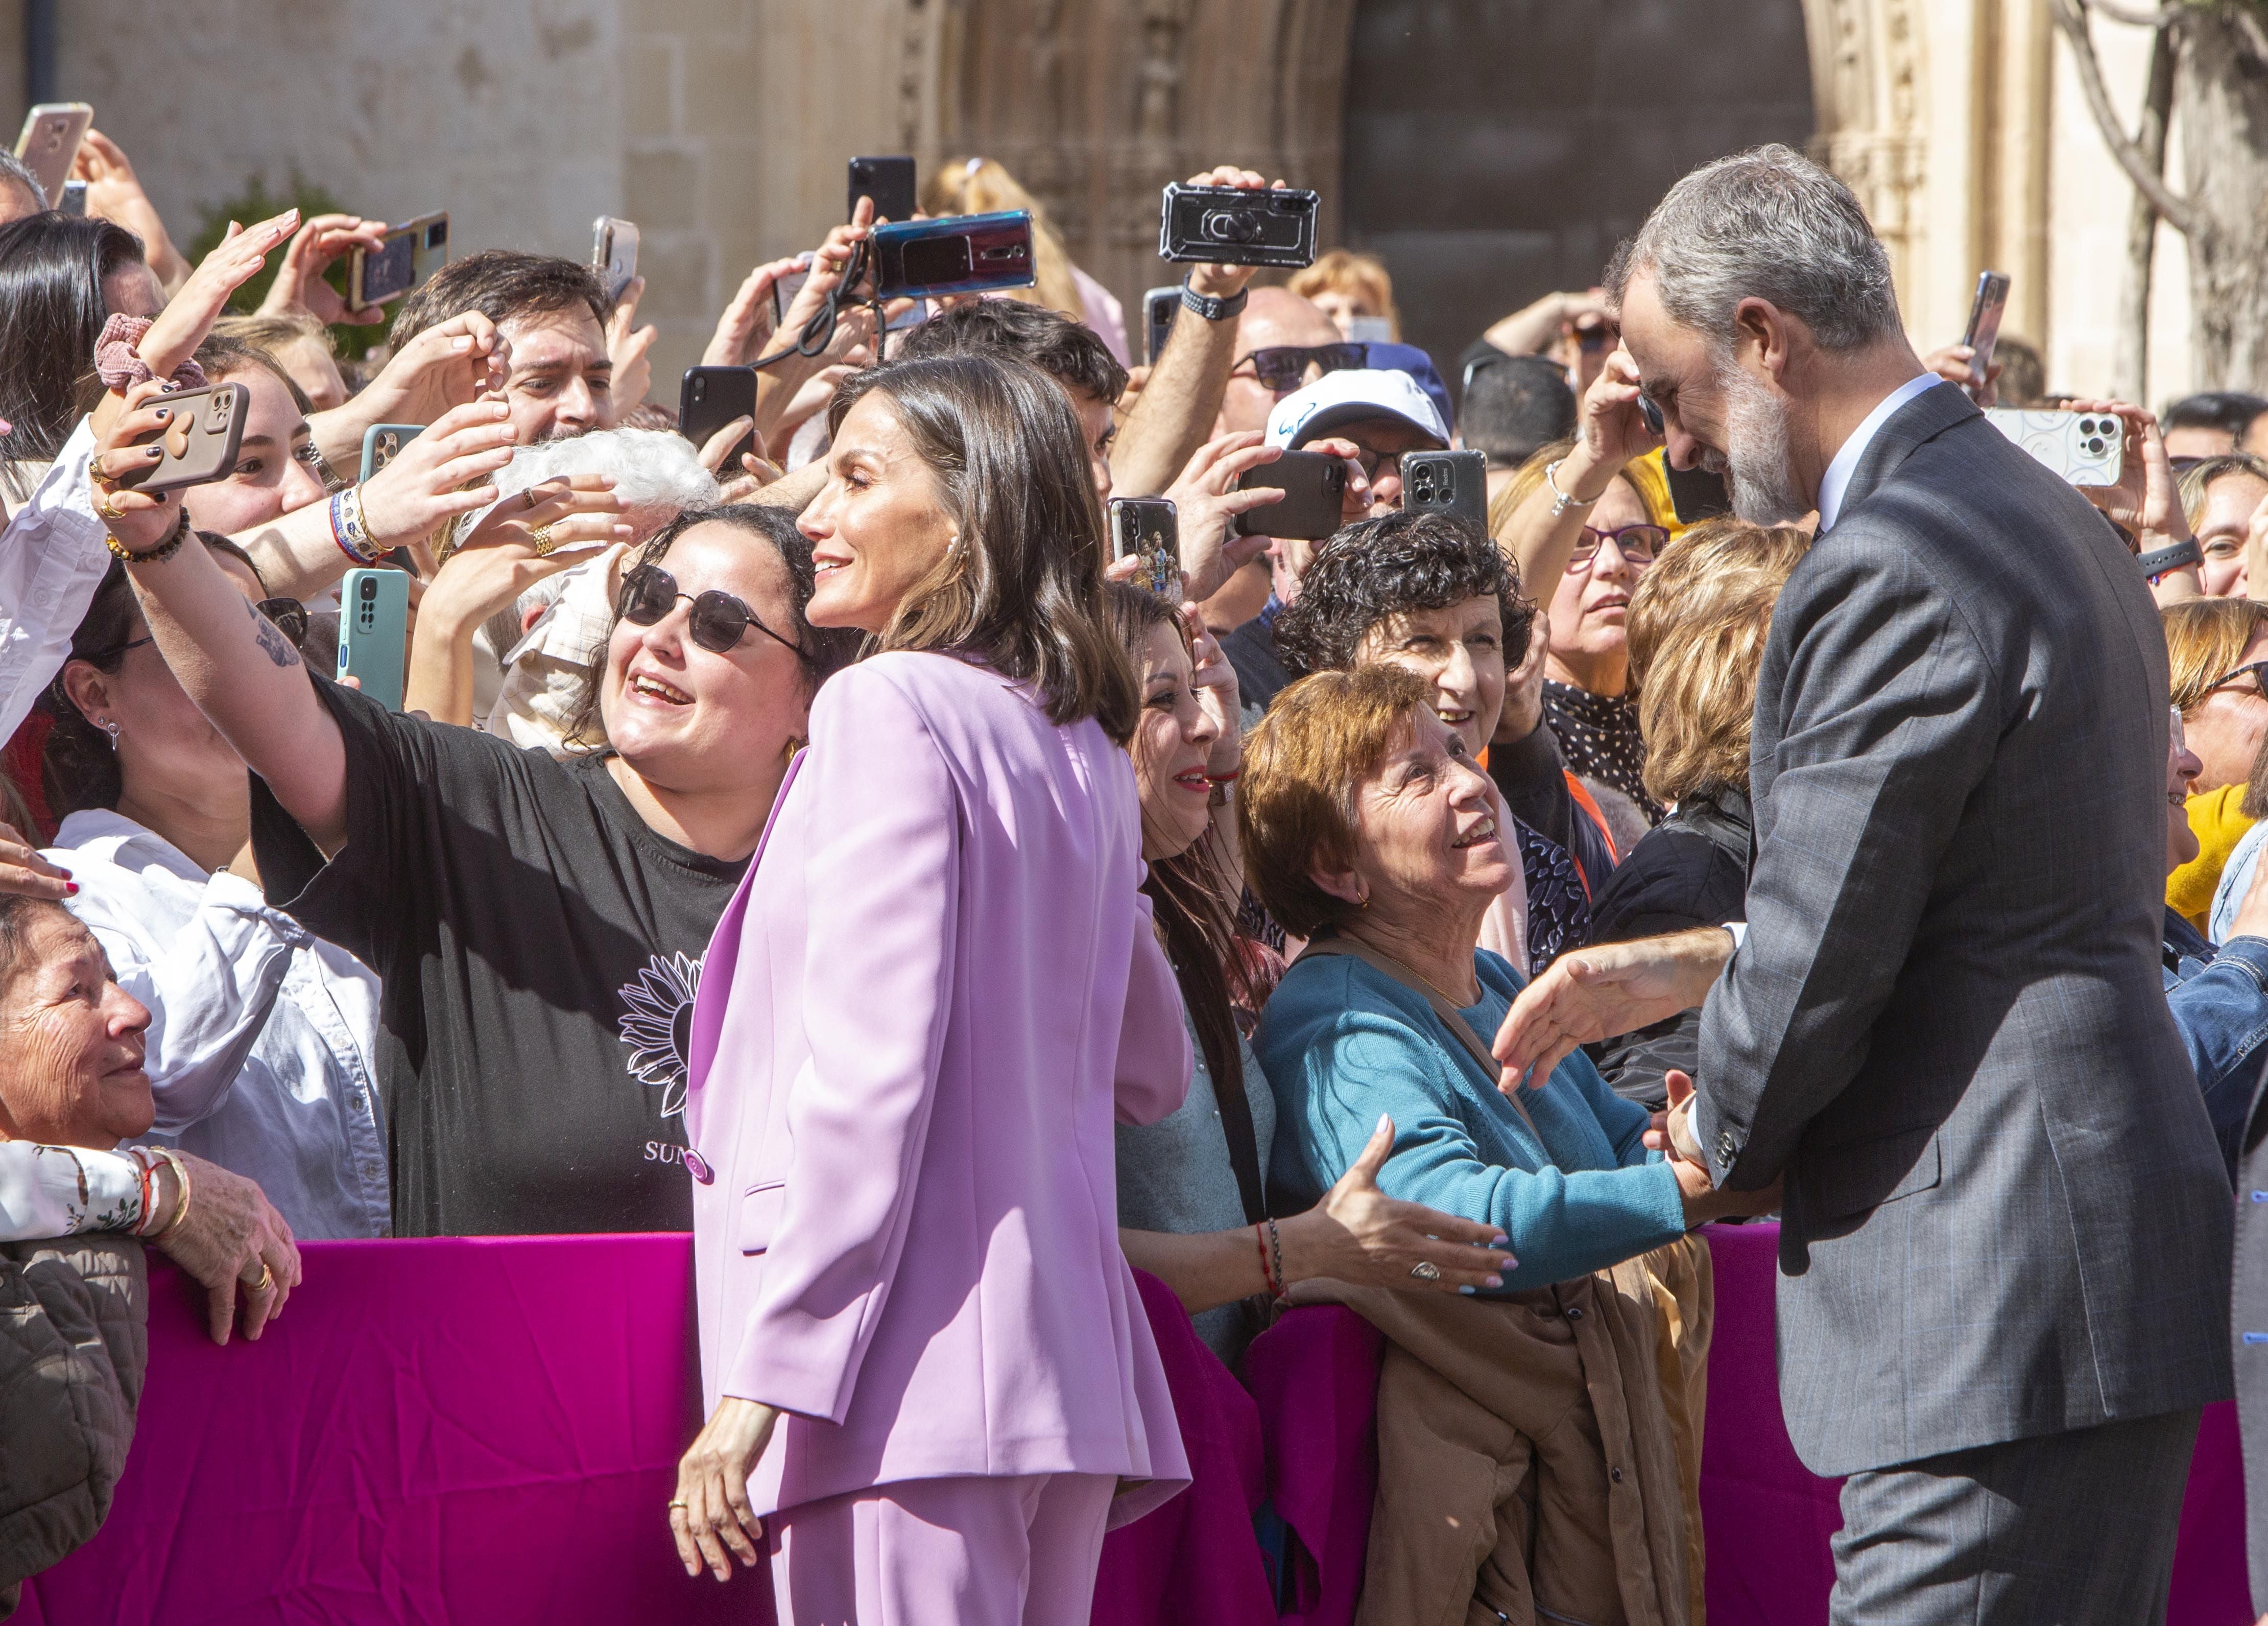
{"x":2004,"y":1248}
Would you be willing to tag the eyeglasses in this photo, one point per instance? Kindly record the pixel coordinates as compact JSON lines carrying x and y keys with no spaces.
{"x":1637,"y":543}
{"x":291,"y":618}
{"x":1283,"y":368}
{"x":718,"y":621}
{"x":2257,"y":672}
{"x":113,"y":652}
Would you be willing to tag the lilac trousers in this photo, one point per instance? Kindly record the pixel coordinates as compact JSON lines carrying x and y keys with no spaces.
{"x":1016,"y":1552}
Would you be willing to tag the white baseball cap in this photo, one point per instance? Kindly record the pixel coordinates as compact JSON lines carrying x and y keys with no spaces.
{"x":1353,"y":396}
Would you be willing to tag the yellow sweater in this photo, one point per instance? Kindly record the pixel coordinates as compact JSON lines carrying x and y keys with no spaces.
{"x":2220,"y":826}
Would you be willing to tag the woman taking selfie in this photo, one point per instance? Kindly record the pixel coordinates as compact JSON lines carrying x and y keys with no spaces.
{"x":536,"y":926}
{"x":933,"y":993}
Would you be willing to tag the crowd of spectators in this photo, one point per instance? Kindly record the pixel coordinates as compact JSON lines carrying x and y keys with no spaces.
{"x":282,"y":963}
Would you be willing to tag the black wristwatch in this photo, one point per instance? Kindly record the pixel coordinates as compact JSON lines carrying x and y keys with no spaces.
{"x":1214,"y":310}
{"x":2158,"y":561}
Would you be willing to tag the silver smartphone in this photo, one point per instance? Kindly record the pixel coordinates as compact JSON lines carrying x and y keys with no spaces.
{"x":614,"y":254}
{"x":1985,"y":315}
{"x":2083,"y":449}
{"x":52,"y":132}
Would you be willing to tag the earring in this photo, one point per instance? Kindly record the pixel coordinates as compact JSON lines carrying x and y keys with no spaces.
{"x":109,"y":726}
{"x":787,"y":753}
{"x":952,"y":543}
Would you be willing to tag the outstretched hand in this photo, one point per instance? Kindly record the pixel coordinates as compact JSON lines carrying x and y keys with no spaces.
{"x":181,"y":327}
{"x":1591,"y":993}
{"x":1359,"y":1234}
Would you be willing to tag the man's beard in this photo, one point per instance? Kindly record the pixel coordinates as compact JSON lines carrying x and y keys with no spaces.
{"x":1756,"y":464}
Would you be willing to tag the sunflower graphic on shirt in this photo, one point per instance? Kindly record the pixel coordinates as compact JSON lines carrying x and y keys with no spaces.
{"x":657,"y":1026}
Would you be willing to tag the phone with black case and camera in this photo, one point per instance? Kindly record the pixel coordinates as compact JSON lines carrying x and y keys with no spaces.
{"x":1314,"y":492}
{"x":1149,"y":527}
{"x":1454,"y":482}
{"x":1230,"y":225}
{"x":889,"y":181}
{"x":708,"y":398}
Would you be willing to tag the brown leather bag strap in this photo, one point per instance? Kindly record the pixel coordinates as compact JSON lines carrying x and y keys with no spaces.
{"x":1450,"y":1016}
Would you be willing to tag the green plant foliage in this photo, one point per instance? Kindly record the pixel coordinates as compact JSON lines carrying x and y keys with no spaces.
{"x":254,"y":204}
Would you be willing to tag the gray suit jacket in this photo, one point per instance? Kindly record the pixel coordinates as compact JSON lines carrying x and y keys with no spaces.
{"x":2006,"y":1214}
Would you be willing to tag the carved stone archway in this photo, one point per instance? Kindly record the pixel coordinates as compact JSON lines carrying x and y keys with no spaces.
{"x":1870,"y":97}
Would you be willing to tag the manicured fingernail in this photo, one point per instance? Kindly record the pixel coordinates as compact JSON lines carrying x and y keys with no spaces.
{"x":1496,"y":1280}
{"x":1383,"y":1120}
{"x":154,"y":453}
{"x":1497,"y":1242}
{"x":1469,"y":1291}
{"x":163,"y":413}
{"x":71,"y":888}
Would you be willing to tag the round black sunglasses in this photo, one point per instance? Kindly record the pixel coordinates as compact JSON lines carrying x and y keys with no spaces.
{"x":719,"y":620}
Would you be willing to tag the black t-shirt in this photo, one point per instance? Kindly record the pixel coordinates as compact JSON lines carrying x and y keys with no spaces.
{"x":539,"y":947}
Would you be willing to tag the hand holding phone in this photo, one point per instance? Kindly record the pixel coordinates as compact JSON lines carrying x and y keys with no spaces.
{"x":1314,"y":490}
{"x":710,"y":398}
{"x":1229,"y":226}
{"x":1992,"y":302}
{"x":614,"y":254}
{"x":203,"y":433}
{"x":50,"y":143}
{"x":1148,"y":529}
{"x":961,"y":253}
{"x":375,"y":633}
{"x":406,"y":256}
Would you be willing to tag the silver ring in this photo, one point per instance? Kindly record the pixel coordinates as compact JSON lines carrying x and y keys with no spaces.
{"x":1425,"y":1270}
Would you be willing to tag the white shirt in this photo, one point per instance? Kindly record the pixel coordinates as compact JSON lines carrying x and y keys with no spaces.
{"x":1836,"y":480}
{"x":259,"y":1040}
{"x":52,"y":559}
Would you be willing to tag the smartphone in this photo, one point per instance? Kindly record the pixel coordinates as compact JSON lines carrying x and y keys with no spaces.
{"x":964,"y":254}
{"x":708,"y":398}
{"x":374,"y":632}
{"x":1158,"y":306}
{"x":2081,"y":448}
{"x":614,"y":254}
{"x":409,"y":254}
{"x":1149,"y":527}
{"x":52,"y":132}
{"x":201,"y":439}
{"x":889,"y":181}
{"x":74,"y":198}
{"x":1452,"y":483}
{"x":1696,"y":494}
{"x":786,"y":288}
{"x":382,"y":441}
{"x":1316,"y":490}
{"x":1985,"y":324}
{"x":1229,"y":225}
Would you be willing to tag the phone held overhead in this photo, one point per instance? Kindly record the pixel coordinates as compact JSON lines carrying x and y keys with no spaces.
{"x":960,"y":254}
{"x":1314,"y":492}
{"x":1984,"y":314}
{"x":1231,"y":226}
{"x":1157,"y":307}
{"x":614,"y":254}
{"x":1452,"y":483}
{"x":406,"y":256}
{"x":889,"y":181}
{"x":2081,"y":448}
{"x":50,"y":143}
{"x":708,"y":398}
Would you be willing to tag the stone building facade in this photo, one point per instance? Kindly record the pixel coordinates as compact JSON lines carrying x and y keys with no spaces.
{"x":721,"y":125}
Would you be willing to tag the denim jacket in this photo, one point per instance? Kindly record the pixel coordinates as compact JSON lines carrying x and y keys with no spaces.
{"x":2219,"y":1001}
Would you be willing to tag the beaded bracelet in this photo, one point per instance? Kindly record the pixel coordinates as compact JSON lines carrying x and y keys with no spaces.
{"x":348,"y":530}
{"x":164,"y":549}
{"x":1275,"y":1246}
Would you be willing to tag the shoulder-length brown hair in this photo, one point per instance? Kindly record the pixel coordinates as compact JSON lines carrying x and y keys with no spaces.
{"x":1023,"y":591}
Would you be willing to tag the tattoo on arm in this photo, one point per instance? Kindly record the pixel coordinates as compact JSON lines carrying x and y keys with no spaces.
{"x":273,"y":644}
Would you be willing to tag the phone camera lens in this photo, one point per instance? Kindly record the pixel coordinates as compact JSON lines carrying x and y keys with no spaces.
{"x":369,"y":589}
{"x":2094,"y":446}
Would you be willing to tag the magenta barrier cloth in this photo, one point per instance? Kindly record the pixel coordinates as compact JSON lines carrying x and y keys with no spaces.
{"x":1314,"y":1374}
{"x":449,"y":1430}
{"x":487,"y":1430}
{"x":1193,"y":1562}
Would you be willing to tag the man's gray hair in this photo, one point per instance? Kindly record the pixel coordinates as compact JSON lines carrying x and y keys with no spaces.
{"x":1766,"y":224}
{"x":657,"y":473}
{"x":14,"y":171}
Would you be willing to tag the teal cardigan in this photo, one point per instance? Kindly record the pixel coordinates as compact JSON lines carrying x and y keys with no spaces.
{"x":1343,"y":1043}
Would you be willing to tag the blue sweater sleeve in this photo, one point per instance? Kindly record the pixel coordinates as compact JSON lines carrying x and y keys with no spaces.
{"x":1360,"y":1064}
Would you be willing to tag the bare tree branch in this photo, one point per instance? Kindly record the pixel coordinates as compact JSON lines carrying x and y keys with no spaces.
{"x":2249,"y":26}
{"x":2178,"y":212}
{"x":2118,"y":13}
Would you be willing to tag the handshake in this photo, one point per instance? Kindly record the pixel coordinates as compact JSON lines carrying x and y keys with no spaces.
{"x":1597,"y":993}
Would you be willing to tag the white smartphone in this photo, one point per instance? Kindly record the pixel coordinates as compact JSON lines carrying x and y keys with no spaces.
{"x":52,"y":132}
{"x":2083,"y":449}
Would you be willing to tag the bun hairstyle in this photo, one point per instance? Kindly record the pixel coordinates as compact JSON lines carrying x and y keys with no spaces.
{"x":1023,"y":593}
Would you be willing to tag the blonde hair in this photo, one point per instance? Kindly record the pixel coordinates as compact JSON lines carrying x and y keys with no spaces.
{"x":1362,"y":275}
{"x":2194,"y":482}
{"x":1698,"y":618}
{"x":2204,"y":639}
{"x":979,"y":185}
{"x":1643,"y":475}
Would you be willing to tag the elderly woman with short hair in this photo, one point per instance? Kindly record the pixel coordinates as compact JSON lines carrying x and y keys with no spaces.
{"x":1367,"y":829}
{"x":72,"y":1346}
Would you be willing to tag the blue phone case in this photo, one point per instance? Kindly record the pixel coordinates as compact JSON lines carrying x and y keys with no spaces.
{"x":374,"y":632}
{"x":959,"y":253}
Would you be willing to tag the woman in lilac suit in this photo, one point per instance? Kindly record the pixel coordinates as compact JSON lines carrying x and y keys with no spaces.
{"x":926,"y":1362}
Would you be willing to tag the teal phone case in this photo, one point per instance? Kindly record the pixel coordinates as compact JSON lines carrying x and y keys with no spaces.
{"x":374,"y":632}
{"x":380,"y":442}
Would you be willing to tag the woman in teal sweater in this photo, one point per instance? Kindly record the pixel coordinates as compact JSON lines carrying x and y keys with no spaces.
{"x":1368,"y":830}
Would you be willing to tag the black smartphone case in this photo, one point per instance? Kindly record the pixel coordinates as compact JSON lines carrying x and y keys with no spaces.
{"x":708,"y":398}
{"x":1315,"y":487}
{"x":1454,"y":482}
{"x":889,"y":181}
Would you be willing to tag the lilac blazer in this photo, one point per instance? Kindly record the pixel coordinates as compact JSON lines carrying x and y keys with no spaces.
{"x":936,"y":990}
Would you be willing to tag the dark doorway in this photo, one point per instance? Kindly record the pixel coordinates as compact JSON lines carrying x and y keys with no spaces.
{"x":1497,"y":149}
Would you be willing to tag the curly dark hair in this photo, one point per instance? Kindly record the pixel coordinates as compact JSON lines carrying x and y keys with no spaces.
{"x":1388,"y":566}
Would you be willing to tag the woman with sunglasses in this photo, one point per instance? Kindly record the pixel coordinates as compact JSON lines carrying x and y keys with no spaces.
{"x":262,"y":1036}
{"x":935,"y":993}
{"x":537,"y":925}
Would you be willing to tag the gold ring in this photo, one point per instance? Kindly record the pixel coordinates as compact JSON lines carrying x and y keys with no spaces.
{"x":541,"y":539}
{"x":1425,"y":1270}
{"x":679,"y":1506}
{"x":527,"y":500}
{"x":108,"y":508}
{"x":267,"y":1279}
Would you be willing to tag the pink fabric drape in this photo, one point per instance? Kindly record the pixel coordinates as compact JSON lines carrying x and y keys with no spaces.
{"x":487,"y":1430}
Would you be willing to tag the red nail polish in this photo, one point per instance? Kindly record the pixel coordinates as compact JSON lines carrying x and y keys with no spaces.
{"x":71,"y":888}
